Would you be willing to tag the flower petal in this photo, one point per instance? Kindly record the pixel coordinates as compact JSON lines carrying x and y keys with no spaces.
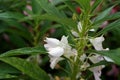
{"x":54,"y":61}
{"x":97,"y":43}
{"x":108,"y":59}
{"x":96,"y":58}
{"x":56,"y":52}
{"x":92,"y":30}
{"x":84,"y":66}
{"x":74,"y":33}
{"x":70,"y":52}
{"x":64,"y":40}
{"x":79,"y":26}
{"x":97,"y":75}
{"x":83,"y":57}
{"x":51,"y":43}
{"x":96,"y":71}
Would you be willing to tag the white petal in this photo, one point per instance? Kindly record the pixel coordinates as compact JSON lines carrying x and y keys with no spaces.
{"x":96,"y":75}
{"x":54,"y":61}
{"x":74,"y":33}
{"x":56,"y":52}
{"x":108,"y":59}
{"x":92,"y":30}
{"x":96,"y":58}
{"x":51,"y":42}
{"x":79,"y":26}
{"x":64,"y":40}
{"x":85,"y":65}
{"x":83,"y":57}
{"x":96,"y":71}
{"x":70,"y":52}
{"x":47,"y":46}
{"x":97,"y":43}
{"x":74,"y":52}
{"x":107,"y":49}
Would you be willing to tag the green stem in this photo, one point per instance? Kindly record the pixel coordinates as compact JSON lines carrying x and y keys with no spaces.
{"x":80,"y":45}
{"x":36,"y":33}
{"x":75,"y":69}
{"x":36,"y":40}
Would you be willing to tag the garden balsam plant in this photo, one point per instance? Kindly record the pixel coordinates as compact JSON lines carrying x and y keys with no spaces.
{"x":78,"y":61}
{"x":79,"y":54}
{"x":78,"y":58}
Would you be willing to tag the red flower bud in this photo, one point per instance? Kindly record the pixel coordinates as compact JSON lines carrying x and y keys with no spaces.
{"x":78,"y":10}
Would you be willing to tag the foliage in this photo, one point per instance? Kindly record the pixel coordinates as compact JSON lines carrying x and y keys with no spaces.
{"x":26,"y":24}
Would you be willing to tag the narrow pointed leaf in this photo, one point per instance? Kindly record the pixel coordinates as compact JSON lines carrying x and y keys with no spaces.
{"x":7,"y":15}
{"x":27,"y":68}
{"x":85,"y":4}
{"x":109,"y":17}
{"x":95,"y":5}
{"x":35,"y":7}
{"x":105,"y":13}
{"x":49,"y":8}
{"x":64,"y":21}
{"x":109,"y":27}
{"x":6,"y":76}
{"x":24,"y":51}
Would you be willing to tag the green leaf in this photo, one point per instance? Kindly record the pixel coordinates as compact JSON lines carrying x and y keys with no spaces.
{"x":64,"y":21}
{"x":6,"y":76}
{"x":55,"y":2}
{"x":113,"y":54}
{"x":17,"y":40}
{"x":19,"y":33}
{"x":85,"y":4}
{"x":18,"y":26}
{"x":14,"y":15}
{"x":24,"y":51}
{"x":27,"y":68}
{"x":109,"y":17}
{"x":109,"y":27}
{"x":70,"y":6}
{"x":95,"y":5}
{"x":7,"y":69}
{"x":47,"y":26}
{"x":49,"y":8}
{"x":35,"y":7}
{"x":105,"y":13}
{"x":3,"y":27}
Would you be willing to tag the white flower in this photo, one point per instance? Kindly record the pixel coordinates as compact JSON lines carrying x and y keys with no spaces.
{"x":97,"y":44}
{"x":85,"y":63}
{"x":95,"y":58}
{"x":97,"y":72}
{"x":58,"y":48}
